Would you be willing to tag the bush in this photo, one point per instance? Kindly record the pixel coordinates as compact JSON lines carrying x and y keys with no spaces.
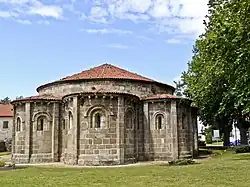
{"x":181,"y":162}
{"x":8,"y":144}
{"x":2,"y":146}
{"x":2,"y":164}
{"x":201,"y":143}
{"x":242,"y":149}
{"x":209,"y":135}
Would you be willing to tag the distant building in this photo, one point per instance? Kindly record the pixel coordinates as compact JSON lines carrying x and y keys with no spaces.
{"x":6,"y":121}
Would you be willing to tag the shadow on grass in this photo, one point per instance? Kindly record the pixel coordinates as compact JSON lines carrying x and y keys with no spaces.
{"x":242,"y":157}
{"x":6,"y":168}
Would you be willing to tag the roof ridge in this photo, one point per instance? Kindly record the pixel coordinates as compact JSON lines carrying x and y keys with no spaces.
{"x":105,"y":71}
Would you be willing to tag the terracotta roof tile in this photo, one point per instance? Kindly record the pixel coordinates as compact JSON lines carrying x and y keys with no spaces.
{"x":39,"y":97}
{"x":160,"y":96}
{"x":6,"y":110}
{"x":107,"y":71}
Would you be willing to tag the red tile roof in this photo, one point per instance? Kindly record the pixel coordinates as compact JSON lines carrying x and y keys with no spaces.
{"x":6,"y":110}
{"x":40,"y":97}
{"x":107,"y":71}
{"x":160,"y":96}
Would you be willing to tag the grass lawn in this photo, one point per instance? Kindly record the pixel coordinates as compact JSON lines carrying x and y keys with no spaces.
{"x":226,"y":170}
{"x":4,"y":153}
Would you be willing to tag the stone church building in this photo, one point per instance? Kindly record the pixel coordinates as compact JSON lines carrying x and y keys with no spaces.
{"x":103,"y":116}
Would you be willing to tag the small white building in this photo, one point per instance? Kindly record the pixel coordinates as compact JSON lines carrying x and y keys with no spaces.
{"x":235,"y":135}
{"x":6,"y":121}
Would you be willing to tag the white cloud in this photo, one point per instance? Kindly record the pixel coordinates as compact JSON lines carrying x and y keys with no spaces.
{"x":25,"y":22}
{"x":47,"y":11}
{"x":178,"y":16}
{"x":108,"y":31}
{"x":117,"y":46}
{"x":175,"y":16}
{"x":5,"y":14}
{"x":98,"y":14}
{"x":173,"y":41}
{"x":33,"y":7}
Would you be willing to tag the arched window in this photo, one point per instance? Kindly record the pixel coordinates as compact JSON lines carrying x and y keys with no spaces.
{"x":70,"y":120}
{"x":159,"y":121}
{"x":18,"y":124}
{"x":40,"y":123}
{"x":98,"y":120}
{"x":129,"y":119}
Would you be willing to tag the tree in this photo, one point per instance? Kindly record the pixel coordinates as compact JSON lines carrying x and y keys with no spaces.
{"x":179,"y":88}
{"x":6,"y":100}
{"x":218,"y":78}
{"x":19,"y":97}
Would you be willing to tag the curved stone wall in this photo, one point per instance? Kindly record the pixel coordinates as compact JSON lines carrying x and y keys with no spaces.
{"x":137,"y":88}
{"x":98,"y":145}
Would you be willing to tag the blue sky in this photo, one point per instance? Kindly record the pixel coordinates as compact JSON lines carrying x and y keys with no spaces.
{"x":44,"y":40}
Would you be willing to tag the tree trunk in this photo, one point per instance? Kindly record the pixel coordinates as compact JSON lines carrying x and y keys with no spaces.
{"x":243,"y":126}
{"x":226,"y":137}
{"x":243,"y":136}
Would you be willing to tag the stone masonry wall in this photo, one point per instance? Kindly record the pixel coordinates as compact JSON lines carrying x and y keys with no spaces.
{"x":44,"y":143}
{"x":185,"y":131}
{"x":19,"y":136}
{"x":160,"y":146}
{"x":131,"y":129}
{"x":98,"y":146}
{"x":30,"y":144}
{"x":139,"y":89}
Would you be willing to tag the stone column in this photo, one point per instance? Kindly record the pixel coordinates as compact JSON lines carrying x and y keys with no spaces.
{"x":136,"y":131}
{"x":28,"y":131}
{"x":146,"y":124}
{"x":174,"y":127}
{"x":190,"y":131}
{"x":14,"y":131}
{"x":120,"y":129}
{"x":75,"y":129}
{"x":55,"y":132}
{"x":195,"y":127}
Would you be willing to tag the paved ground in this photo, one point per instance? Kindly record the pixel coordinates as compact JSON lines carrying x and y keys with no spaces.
{"x":7,"y":159}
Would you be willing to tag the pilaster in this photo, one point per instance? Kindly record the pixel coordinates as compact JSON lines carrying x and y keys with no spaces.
{"x":120,"y":129}
{"x":174,"y":127}
{"x":190,"y":130}
{"x":14,"y":130}
{"x":75,"y":128}
{"x":195,"y":127}
{"x":55,"y":132}
{"x":27,"y":129}
{"x":146,"y":128}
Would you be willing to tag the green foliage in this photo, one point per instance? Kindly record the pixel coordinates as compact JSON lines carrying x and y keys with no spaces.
{"x":179,"y":88}
{"x":209,"y":135}
{"x":6,"y":100}
{"x":218,"y":78}
{"x":180,"y":162}
{"x":242,"y":149}
{"x":2,"y":164}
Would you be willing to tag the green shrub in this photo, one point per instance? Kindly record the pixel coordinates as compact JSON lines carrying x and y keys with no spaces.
{"x":181,"y":162}
{"x":242,"y":149}
{"x":2,"y":164}
{"x":209,"y":135}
